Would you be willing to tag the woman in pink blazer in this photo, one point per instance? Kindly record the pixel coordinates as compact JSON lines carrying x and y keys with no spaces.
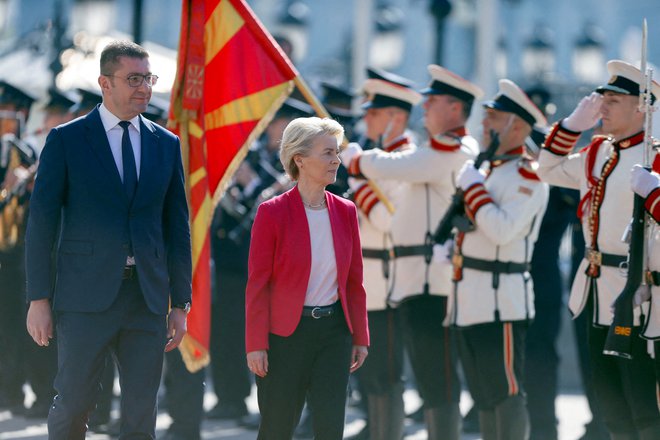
{"x":306,"y":318}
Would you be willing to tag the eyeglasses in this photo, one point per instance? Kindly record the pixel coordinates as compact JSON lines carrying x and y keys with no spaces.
{"x":136,"y":79}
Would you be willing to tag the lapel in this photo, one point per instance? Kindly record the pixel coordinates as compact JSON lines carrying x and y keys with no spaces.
{"x":148,"y":150}
{"x":339,"y":229}
{"x":97,"y":139}
{"x":301,"y":243}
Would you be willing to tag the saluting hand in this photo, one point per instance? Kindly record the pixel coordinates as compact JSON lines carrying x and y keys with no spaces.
{"x":586,"y":114}
{"x":40,"y":321}
{"x":358,"y":356}
{"x":257,"y":362}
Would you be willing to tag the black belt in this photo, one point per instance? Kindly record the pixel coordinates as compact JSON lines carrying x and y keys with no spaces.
{"x":317,"y":312}
{"x":411,"y":251}
{"x":602,"y":259}
{"x":378,"y":254}
{"x":494,"y":266}
{"x":130,"y":272}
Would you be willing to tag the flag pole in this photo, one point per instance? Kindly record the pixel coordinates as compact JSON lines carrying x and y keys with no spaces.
{"x":322,"y":112}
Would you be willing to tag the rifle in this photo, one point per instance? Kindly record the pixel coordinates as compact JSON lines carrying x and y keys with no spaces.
{"x":619,"y":336}
{"x":455,"y":214}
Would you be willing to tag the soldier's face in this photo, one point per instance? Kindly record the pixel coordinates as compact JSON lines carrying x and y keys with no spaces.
{"x":376,"y":120}
{"x":122,"y":100}
{"x":439,"y":114}
{"x":502,"y":123}
{"x":620,"y":115}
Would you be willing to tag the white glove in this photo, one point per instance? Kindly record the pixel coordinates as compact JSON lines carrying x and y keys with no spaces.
{"x":442,"y":253}
{"x":355,"y":184}
{"x":586,"y":114}
{"x":347,"y":155}
{"x":642,"y":295}
{"x":643,"y":181}
{"x":469,"y":175}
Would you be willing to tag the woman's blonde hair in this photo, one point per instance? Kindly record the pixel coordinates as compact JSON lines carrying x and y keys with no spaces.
{"x":299,"y":136}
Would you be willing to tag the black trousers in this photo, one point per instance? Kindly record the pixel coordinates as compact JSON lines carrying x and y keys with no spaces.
{"x":432,"y":349}
{"x":313,"y":362}
{"x":382,"y":371}
{"x":185,"y":397}
{"x":136,"y":338}
{"x":492,"y":356}
{"x":625,"y":388}
{"x":231,"y":377}
{"x":13,"y":334}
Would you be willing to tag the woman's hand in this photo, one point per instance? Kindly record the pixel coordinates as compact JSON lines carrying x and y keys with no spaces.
{"x":257,"y":362}
{"x":358,"y":356}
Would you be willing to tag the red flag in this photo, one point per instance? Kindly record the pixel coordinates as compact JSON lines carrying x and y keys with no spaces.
{"x":231,"y":79}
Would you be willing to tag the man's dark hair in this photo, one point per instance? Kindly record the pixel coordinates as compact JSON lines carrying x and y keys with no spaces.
{"x":466,"y":106}
{"x":112,"y":52}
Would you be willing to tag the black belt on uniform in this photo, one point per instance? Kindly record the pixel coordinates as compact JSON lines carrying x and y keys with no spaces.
{"x":317,"y":312}
{"x":130,"y":272}
{"x":602,"y":259}
{"x":494,"y":266}
{"x":411,"y":251}
{"x":378,"y":254}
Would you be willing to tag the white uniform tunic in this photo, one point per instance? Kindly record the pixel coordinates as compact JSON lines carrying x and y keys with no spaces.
{"x":375,"y":231}
{"x":601,"y":172}
{"x":651,"y":328}
{"x":508,"y":209}
{"x":428,"y":174}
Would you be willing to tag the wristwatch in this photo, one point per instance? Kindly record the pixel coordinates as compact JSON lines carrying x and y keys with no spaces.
{"x":183,"y":306}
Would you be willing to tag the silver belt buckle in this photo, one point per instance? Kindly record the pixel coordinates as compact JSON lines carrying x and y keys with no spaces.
{"x":314,"y":311}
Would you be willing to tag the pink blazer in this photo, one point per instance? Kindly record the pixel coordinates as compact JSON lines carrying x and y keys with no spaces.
{"x":280,"y":262}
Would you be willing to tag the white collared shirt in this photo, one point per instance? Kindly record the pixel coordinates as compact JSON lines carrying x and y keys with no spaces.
{"x":114,"y":132}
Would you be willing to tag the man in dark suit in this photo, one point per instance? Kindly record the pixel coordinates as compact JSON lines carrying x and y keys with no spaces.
{"x":115,"y":182}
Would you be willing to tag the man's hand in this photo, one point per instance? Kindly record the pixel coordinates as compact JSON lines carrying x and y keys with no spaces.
{"x":257,"y":362}
{"x":442,"y":253}
{"x":348,"y":154}
{"x":40,"y":321}
{"x":586,"y":114}
{"x":469,"y":175}
{"x":358,"y":356}
{"x":176,"y":328}
{"x":642,"y":181}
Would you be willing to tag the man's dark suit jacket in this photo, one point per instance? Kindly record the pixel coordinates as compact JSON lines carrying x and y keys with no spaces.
{"x":80,"y":210}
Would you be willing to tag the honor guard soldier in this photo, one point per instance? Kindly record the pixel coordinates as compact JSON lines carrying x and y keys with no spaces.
{"x":387,"y":111}
{"x":16,"y":158}
{"x":647,"y":185}
{"x":624,"y":388}
{"x":493,"y":302}
{"x":421,"y":285}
